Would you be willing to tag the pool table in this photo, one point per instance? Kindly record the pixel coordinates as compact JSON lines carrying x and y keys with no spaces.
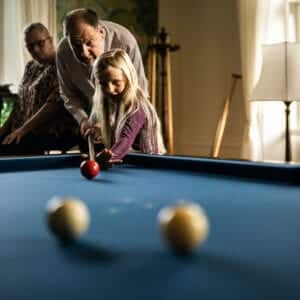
{"x":252,"y":251}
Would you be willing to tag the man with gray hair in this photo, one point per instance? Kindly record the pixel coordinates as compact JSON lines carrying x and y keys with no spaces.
{"x":86,"y":38}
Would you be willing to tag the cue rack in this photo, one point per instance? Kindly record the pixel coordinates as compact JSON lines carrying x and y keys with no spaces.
{"x":158,"y":69}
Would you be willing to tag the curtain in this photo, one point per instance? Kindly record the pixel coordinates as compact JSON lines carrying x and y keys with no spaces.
{"x":272,"y":114}
{"x":11,"y":46}
{"x":253,"y":18}
{"x":266,"y":22}
{"x":15,"y":15}
{"x":43,"y":11}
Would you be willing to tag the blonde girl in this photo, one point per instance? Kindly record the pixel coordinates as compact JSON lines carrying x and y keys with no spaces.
{"x":122,"y":117}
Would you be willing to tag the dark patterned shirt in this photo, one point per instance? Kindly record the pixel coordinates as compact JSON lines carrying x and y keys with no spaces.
{"x":40,"y":85}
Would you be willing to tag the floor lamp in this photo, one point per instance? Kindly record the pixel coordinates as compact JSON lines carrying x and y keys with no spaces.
{"x":280,"y":80}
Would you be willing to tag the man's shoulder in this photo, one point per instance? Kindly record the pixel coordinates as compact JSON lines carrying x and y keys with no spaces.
{"x":117,"y":30}
{"x":115,"y":26}
{"x":32,"y":65}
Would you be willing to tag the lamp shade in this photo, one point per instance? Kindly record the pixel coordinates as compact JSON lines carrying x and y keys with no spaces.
{"x":280,"y":75}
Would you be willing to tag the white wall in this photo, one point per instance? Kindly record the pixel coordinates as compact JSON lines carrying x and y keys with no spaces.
{"x":207,"y":32}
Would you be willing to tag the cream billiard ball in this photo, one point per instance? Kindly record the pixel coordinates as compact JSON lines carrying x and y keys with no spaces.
{"x":68,"y":218}
{"x":183,"y":226}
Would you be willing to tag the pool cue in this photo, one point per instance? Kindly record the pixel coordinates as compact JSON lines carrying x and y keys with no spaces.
{"x":91,"y":148}
{"x":223,"y":119}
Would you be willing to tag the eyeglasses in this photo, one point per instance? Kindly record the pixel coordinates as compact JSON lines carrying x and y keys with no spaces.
{"x":39,"y":43}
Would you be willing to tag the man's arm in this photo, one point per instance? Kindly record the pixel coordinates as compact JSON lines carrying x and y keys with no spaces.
{"x":66,"y":86}
{"x":48,"y":111}
{"x":44,"y":114}
{"x":136,"y":57}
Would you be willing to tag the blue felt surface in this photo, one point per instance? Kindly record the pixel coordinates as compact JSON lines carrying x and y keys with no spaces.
{"x":252,"y":251}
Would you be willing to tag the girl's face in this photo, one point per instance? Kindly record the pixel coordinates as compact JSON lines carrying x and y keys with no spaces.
{"x":113,"y":82}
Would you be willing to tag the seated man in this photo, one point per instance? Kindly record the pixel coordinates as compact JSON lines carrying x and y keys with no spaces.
{"x":39,"y":121}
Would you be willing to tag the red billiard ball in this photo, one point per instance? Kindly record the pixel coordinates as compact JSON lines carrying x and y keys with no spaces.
{"x":89,"y":169}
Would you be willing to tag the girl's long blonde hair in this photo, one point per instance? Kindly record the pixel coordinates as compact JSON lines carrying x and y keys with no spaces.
{"x":104,"y":110}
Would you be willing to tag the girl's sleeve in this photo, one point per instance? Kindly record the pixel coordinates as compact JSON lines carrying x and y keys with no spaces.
{"x":128,"y":134}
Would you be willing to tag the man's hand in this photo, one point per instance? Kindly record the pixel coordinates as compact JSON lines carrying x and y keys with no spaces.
{"x":84,"y":125}
{"x":16,"y":136}
{"x":94,"y":130}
